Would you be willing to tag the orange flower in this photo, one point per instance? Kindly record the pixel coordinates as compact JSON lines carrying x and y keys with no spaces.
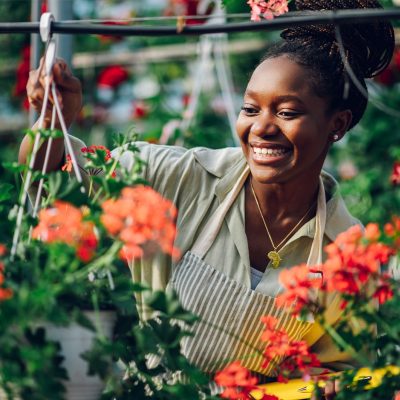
{"x":238,"y":382}
{"x":298,"y":283}
{"x":5,"y":293}
{"x":392,"y":229}
{"x":143,"y":220}
{"x":352,"y":262}
{"x":298,"y":356}
{"x":372,"y":232}
{"x":64,"y":223}
{"x":3,"y":250}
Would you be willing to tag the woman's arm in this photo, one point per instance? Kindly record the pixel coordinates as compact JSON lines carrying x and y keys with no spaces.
{"x":69,"y":93}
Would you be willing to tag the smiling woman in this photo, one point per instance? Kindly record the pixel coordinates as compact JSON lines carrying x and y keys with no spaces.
{"x":246,"y":214}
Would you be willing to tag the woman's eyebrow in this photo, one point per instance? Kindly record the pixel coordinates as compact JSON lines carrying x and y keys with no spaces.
{"x":288,"y":97}
{"x":277,"y":99}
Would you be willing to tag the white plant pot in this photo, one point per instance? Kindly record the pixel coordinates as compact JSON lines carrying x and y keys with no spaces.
{"x":74,"y":341}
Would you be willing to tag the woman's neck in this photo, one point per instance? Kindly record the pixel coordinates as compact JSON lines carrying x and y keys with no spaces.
{"x":286,"y":200}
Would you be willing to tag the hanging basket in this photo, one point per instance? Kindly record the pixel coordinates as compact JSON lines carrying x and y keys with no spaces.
{"x":74,"y":341}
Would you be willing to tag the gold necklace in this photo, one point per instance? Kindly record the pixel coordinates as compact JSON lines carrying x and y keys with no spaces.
{"x":273,"y":255}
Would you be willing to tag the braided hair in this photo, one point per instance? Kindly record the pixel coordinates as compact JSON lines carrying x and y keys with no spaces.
{"x":368,"y":48}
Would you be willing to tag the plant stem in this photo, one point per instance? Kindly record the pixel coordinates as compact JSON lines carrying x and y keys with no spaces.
{"x":342,"y":342}
{"x":104,"y":260}
{"x":98,"y":193}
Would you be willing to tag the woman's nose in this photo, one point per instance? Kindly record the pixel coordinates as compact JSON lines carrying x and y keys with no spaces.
{"x":264,"y":125}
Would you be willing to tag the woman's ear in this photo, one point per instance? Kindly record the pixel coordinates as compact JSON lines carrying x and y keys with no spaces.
{"x":340,"y":124}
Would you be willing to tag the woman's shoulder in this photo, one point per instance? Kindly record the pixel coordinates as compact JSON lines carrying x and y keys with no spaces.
{"x":215,"y":161}
{"x":182,"y":174}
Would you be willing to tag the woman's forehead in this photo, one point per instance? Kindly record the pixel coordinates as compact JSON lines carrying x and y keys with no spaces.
{"x":280,"y":74}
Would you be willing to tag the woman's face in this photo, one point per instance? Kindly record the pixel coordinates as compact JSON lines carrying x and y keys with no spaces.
{"x":284,"y":127}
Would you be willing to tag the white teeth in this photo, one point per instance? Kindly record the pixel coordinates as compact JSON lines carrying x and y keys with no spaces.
{"x":270,"y":152}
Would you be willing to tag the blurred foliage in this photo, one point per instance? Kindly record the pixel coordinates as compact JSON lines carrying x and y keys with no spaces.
{"x":373,"y":147}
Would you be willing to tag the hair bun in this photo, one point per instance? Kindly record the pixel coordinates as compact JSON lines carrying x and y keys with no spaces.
{"x":370,"y":45}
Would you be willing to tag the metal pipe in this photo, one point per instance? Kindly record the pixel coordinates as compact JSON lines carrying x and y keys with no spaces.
{"x":284,"y":21}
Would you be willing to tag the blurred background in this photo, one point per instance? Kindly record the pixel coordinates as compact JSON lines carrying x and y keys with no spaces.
{"x":186,"y":90}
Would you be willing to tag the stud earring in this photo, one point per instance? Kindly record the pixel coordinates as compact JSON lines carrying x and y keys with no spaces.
{"x":335,"y":137}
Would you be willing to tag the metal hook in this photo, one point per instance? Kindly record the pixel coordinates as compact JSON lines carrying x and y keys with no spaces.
{"x":45,"y":26}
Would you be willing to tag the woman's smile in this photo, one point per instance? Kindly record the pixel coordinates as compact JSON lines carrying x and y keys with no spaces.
{"x":265,"y":153}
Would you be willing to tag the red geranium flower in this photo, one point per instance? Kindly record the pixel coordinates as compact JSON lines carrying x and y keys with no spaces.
{"x":395,"y":177}
{"x":238,"y":383}
{"x":5,"y":293}
{"x":91,"y":150}
{"x":64,"y":223}
{"x":297,"y":354}
{"x":112,"y":77}
{"x":352,"y":261}
{"x":298,"y":282}
{"x":143,"y":220}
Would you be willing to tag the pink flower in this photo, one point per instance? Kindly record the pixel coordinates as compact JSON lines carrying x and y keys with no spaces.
{"x":267,"y":9}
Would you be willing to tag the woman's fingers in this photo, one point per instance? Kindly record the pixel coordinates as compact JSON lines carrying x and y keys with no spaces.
{"x":68,"y":89}
{"x":331,"y":388}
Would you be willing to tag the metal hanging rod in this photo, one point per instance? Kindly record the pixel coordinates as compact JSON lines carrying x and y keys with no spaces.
{"x":283,"y":21}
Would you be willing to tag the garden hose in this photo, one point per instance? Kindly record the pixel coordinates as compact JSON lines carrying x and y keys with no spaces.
{"x":298,"y":389}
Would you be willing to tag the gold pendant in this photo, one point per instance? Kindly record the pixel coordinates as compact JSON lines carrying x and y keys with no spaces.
{"x":275,"y":258}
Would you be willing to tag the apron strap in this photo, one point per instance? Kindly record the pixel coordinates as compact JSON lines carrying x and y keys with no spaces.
{"x":213,"y":225}
{"x":315,"y":256}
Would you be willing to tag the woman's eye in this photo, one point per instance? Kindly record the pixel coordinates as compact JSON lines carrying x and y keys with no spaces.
{"x":288,"y":114}
{"x":249,"y":110}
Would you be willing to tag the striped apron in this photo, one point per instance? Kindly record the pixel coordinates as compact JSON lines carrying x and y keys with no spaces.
{"x":229,"y":328}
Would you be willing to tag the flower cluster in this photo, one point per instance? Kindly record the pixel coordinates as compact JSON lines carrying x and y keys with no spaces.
{"x":267,"y":8}
{"x":5,"y":293}
{"x":238,"y":383}
{"x":87,"y":151}
{"x":354,"y":261}
{"x":352,"y":268}
{"x":143,"y":220}
{"x":296,"y":353}
{"x":63,"y":222}
{"x":392,"y":231}
{"x":298,"y":281}
{"x":395,"y":177}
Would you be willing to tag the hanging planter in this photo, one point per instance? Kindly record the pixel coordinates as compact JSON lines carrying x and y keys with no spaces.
{"x":75,"y":340}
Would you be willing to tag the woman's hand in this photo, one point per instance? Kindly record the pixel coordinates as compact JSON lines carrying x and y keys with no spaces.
{"x":69,"y":91}
{"x":331,"y":388}
{"x":69,"y":94}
